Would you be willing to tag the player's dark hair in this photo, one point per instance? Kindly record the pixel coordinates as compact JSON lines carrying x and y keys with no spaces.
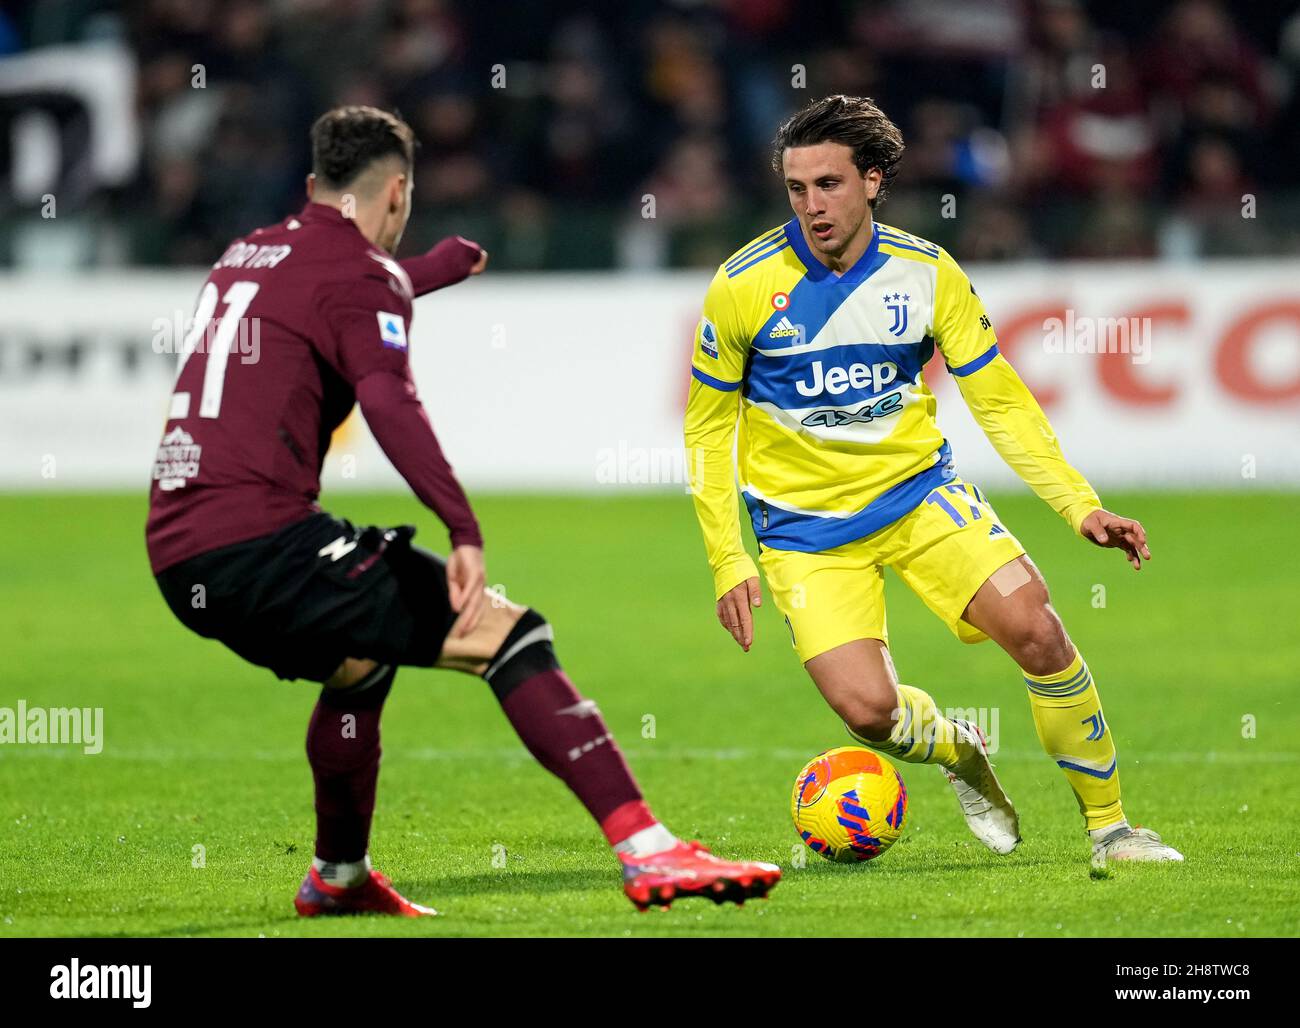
{"x":347,"y":140}
{"x":854,"y":121}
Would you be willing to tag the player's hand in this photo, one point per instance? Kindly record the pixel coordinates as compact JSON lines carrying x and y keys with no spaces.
{"x":1106,"y":529}
{"x":465,"y":581}
{"x":451,"y":260}
{"x":734,"y":612}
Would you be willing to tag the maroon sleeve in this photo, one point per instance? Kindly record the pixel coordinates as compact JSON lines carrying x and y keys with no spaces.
{"x":446,"y":264}
{"x":364,"y":325}
{"x":365,"y":339}
{"x":400,"y":425}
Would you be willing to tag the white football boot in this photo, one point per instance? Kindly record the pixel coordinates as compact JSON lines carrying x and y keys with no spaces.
{"x":1137,"y":844}
{"x":987,"y":808}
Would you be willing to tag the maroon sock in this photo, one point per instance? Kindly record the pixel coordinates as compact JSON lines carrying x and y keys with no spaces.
{"x":569,"y":738}
{"x":343,"y":749}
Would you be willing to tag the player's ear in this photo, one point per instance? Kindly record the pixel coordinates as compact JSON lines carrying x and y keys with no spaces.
{"x":311,"y":185}
{"x":397,"y":194}
{"x":873,"y":178}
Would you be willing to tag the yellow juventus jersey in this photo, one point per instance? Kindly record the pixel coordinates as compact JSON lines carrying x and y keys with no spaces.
{"x":822,"y":372}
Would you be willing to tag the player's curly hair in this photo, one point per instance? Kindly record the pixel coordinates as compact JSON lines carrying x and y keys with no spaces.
{"x":347,"y":140}
{"x":856,"y":122}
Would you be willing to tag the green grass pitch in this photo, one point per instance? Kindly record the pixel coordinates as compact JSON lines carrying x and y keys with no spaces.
{"x":203,"y":751}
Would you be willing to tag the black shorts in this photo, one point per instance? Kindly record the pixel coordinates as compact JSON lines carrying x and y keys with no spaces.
{"x":302,"y":599}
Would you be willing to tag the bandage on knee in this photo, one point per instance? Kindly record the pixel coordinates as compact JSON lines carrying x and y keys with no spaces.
{"x":1009,"y":577}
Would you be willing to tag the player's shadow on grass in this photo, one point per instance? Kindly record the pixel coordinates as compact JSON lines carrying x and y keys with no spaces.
{"x":204,"y":929}
{"x":975,"y":860}
{"x":504,"y":881}
{"x":513,"y":880}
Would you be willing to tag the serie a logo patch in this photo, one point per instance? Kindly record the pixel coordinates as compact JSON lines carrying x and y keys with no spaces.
{"x":708,"y":338}
{"x":392,"y":330}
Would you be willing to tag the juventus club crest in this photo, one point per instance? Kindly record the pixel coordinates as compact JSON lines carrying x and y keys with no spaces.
{"x":896,"y":304}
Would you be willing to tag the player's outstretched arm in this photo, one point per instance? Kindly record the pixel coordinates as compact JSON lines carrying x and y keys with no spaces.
{"x":365,"y":340}
{"x":450,"y":261}
{"x":1000,"y":401}
{"x":722,"y":341}
{"x":710,"y":433}
{"x":1015,"y":424}
{"x":401,"y":427}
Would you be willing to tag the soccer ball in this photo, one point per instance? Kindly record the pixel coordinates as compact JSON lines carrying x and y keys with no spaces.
{"x":849,"y":804}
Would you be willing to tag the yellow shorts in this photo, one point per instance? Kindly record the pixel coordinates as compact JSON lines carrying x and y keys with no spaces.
{"x":944,"y":550}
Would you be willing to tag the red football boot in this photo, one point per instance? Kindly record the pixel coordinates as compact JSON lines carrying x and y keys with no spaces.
{"x":688,"y":869}
{"x":375,"y":895}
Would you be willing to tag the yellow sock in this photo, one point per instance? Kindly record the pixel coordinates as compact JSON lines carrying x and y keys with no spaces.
{"x":1073,"y":731}
{"x":921,"y":735}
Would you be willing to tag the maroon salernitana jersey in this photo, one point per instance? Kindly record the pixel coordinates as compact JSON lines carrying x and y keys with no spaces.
{"x":296,"y":323}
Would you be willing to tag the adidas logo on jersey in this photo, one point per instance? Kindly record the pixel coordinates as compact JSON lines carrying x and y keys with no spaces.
{"x":784,"y":329}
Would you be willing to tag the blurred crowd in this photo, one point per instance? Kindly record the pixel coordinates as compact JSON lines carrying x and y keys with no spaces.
{"x":636,"y":134}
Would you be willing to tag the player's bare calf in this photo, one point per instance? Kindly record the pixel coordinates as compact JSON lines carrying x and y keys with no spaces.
{"x":1013,"y":609}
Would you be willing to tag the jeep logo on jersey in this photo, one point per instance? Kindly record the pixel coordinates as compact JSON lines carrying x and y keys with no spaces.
{"x":856,"y":376}
{"x":392,"y":330}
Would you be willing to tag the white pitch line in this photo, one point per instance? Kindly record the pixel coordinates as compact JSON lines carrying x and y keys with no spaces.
{"x":432,"y":754}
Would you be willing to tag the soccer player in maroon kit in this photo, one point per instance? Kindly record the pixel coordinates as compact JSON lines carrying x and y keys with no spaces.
{"x":242,"y":552}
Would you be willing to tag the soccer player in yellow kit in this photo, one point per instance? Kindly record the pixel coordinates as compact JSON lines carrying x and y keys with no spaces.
{"x":813,"y":341}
